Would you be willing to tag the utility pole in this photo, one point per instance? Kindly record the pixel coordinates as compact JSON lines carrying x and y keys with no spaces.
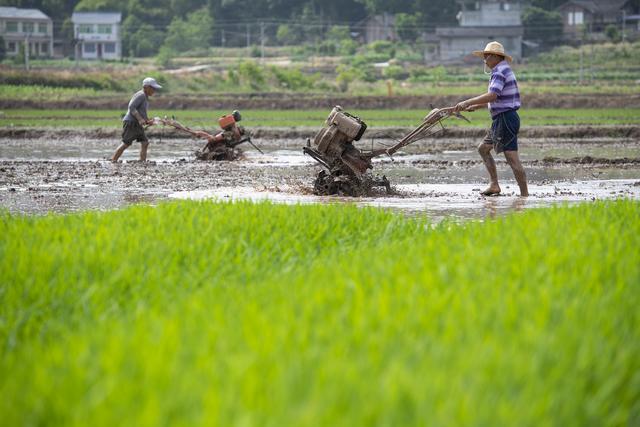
{"x":262,"y":41}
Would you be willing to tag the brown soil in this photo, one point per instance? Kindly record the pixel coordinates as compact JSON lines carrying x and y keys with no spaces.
{"x":538,"y":132}
{"x":585,"y":160}
{"x":305,"y":101}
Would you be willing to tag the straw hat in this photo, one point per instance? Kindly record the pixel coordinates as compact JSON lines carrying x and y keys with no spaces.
{"x":492,"y":48}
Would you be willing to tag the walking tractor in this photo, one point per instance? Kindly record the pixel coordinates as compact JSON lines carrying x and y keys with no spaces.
{"x":345,"y":166}
{"x":224,"y":144}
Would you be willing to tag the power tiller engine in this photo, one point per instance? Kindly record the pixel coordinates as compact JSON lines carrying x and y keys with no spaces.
{"x":223,"y":145}
{"x":345,"y":167}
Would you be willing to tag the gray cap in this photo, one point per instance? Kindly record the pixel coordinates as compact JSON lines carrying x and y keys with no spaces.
{"x":150,"y":81}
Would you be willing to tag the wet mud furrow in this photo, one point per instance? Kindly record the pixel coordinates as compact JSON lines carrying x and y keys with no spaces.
{"x":440,"y":178}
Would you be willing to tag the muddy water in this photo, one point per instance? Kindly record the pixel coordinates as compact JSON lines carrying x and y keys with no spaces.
{"x":442,"y":178}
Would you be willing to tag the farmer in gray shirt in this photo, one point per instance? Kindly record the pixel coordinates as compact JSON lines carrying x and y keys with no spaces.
{"x":136,"y":118}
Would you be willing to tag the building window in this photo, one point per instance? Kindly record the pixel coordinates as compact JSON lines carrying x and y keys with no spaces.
{"x":42,"y":28}
{"x":576,"y":18}
{"x":27,"y":27}
{"x":104,"y":29}
{"x":44,"y":48}
{"x":12,"y":27}
{"x":89,"y":48}
{"x":11,"y":47}
{"x":109,"y":48}
{"x":85,"y":29}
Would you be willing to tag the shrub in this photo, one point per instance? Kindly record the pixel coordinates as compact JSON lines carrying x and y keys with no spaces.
{"x":347,"y":48}
{"x":346,"y":75}
{"x":292,"y":79}
{"x":251,"y":74}
{"x":613,"y":33}
{"x":395,"y":72}
{"x":383,"y":48}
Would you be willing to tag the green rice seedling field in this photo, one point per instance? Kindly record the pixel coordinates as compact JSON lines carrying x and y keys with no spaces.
{"x":466,"y":87}
{"x":238,"y":314}
{"x":314,"y":118}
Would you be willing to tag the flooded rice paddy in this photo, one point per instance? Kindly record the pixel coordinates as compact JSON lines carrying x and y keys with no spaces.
{"x":438,"y":177}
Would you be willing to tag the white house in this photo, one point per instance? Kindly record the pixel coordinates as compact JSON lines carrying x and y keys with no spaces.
{"x":22,"y":27}
{"x":98,"y":34}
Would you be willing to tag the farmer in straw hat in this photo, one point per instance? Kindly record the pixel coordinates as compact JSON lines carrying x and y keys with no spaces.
{"x":503,"y":99}
{"x":136,"y":119}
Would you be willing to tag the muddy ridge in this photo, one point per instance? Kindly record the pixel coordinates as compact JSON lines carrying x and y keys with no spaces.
{"x":537,"y":132}
{"x":285,"y":101}
{"x":585,"y":160}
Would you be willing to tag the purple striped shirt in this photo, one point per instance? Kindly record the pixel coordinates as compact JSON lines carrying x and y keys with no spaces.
{"x":503,"y":83}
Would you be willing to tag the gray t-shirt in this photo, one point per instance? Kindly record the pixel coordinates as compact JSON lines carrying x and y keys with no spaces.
{"x":139,"y":102}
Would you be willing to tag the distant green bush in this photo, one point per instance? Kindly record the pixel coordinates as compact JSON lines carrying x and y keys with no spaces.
{"x":292,"y":79}
{"x":395,"y":72}
{"x":347,"y":48}
{"x":383,"y":47}
{"x":251,"y":73}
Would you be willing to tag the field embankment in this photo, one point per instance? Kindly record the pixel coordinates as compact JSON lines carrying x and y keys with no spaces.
{"x":284,"y":101}
{"x":556,"y":132}
{"x":204,"y":313}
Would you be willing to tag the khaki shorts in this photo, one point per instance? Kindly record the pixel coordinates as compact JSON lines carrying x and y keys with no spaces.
{"x":133,"y":131}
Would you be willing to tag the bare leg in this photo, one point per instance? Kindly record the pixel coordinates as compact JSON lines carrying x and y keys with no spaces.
{"x":490,"y":164}
{"x":143,"y":150}
{"x":518,"y":171}
{"x":119,"y":152}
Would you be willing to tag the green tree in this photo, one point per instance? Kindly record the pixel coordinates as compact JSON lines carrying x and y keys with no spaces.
{"x":338,"y":33}
{"x":193,"y":33}
{"x":165,"y":56}
{"x":542,"y":26}
{"x":100,"y":5}
{"x":436,"y":12}
{"x":289,"y":34}
{"x":140,"y":39}
{"x":408,"y":26}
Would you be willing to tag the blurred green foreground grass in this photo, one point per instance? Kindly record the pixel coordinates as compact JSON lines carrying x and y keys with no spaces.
{"x":255,"y":314}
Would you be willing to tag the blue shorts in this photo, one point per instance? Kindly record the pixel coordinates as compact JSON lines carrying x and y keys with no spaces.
{"x":504,"y":132}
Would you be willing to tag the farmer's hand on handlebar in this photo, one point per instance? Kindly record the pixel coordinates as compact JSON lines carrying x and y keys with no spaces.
{"x":203,"y":134}
{"x":461,"y":106}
